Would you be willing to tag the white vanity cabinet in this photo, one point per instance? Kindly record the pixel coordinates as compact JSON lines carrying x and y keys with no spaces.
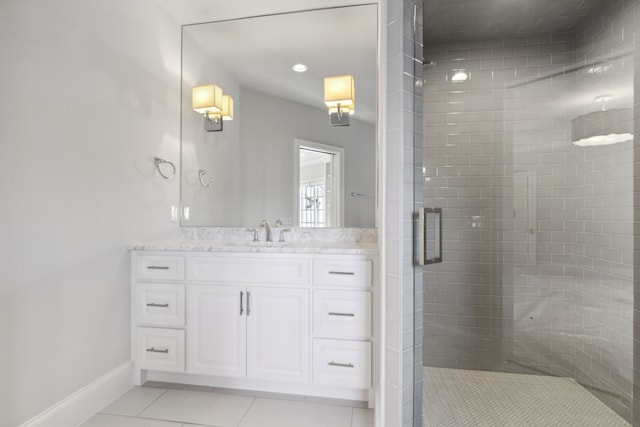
{"x":158,"y":310}
{"x":342,"y":322}
{"x":217,"y":331}
{"x":282,"y":322}
{"x":257,"y":332}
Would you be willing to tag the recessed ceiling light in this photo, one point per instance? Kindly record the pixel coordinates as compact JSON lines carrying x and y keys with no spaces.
{"x":299,"y":68}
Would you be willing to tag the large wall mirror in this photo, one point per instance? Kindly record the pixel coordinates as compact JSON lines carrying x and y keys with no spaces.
{"x":279,"y":157}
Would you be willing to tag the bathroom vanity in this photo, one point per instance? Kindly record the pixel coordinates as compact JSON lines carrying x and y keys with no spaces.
{"x":292,"y":318}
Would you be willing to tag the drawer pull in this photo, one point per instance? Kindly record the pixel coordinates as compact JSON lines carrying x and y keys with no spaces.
{"x":343,"y":273}
{"x":157,"y":267}
{"x":241,"y":298}
{"x":154,"y":350}
{"x":331,"y":313}
{"x":342,"y":365}
{"x":153,"y":304}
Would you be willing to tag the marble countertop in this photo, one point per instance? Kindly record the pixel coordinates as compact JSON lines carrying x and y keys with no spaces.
{"x":299,"y":247}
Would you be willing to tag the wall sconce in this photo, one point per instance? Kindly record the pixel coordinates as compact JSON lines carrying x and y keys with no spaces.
{"x":340,"y":98}
{"x":603,"y":127}
{"x":213,"y":104}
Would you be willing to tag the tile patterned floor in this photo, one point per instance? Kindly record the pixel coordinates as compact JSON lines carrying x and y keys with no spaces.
{"x":171,"y":405}
{"x":456,"y":397}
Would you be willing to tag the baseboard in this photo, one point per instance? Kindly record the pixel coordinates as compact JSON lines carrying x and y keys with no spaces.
{"x":86,"y":402}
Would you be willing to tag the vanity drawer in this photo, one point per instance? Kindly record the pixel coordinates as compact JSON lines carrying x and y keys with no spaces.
{"x":342,"y":313}
{"x":160,"y":304}
{"x":156,"y":267}
{"x":335,"y":272}
{"x":160,"y":349}
{"x":342,"y":363}
{"x":221,"y":269}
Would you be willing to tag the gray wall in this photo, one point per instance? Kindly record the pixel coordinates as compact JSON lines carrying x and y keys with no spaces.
{"x":538,"y":242}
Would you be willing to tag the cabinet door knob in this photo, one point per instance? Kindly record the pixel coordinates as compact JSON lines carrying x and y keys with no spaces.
{"x":241,"y":303}
{"x":248,"y":304}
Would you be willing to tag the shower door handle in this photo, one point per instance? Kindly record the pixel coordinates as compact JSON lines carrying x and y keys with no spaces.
{"x":429,"y":236}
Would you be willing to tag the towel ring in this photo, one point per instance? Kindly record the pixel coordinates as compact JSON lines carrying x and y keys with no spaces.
{"x":201,"y":174}
{"x":158,"y":161}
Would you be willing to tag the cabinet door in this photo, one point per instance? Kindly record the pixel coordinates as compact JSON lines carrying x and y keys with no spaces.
{"x":216,"y":330}
{"x":278,"y":334}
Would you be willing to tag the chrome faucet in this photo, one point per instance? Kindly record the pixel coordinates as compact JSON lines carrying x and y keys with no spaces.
{"x":255,"y":234}
{"x":267,"y":230}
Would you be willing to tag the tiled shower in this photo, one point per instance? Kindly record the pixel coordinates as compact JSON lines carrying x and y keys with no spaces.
{"x":538,"y":237}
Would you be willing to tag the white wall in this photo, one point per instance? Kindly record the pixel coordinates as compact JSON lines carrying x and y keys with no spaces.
{"x":208,"y":151}
{"x":267,"y":150}
{"x":252,"y":162}
{"x":90,"y":94}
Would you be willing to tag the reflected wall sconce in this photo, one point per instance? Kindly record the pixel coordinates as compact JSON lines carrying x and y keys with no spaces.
{"x":216,"y":107}
{"x":340,"y":99}
{"x":603,"y":127}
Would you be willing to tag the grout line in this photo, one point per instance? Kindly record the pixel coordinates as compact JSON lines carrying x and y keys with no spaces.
{"x":152,"y":402}
{"x":247,"y":411}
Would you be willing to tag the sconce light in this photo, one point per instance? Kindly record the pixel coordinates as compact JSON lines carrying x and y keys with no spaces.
{"x":340,"y":98}
{"x":603,"y":127}
{"x":213,"y":104}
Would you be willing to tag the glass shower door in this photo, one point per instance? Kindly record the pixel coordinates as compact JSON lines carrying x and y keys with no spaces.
{"x":537,"y":219}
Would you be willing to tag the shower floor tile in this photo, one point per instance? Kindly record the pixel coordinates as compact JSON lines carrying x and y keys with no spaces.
{"x":456,"y":397}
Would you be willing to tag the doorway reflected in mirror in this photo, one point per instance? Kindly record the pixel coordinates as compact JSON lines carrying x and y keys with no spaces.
{"x":320,"y":185}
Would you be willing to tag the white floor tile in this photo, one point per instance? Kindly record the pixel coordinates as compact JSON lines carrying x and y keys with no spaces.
{"x":283,"y":413}
{"x":362,"y":418}
{"x":215,"y":409}
{"x":133,"y":401}
{"x":106,"y":420}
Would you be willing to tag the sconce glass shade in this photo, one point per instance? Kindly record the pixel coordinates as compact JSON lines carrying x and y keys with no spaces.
{"x":227,"y":107}
{"x":602,"y":128}
{"x":207,"y":99}
{"x":340,"y":92}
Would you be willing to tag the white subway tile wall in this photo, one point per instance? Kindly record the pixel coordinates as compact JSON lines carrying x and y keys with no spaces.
{"x":403,"y":386}
{"x":538,"y":233}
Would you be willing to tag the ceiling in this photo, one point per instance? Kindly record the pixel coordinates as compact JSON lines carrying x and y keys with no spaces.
{"x":196,"y":11}
{"x":448,"y":20}
{"x":260,"y":52}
